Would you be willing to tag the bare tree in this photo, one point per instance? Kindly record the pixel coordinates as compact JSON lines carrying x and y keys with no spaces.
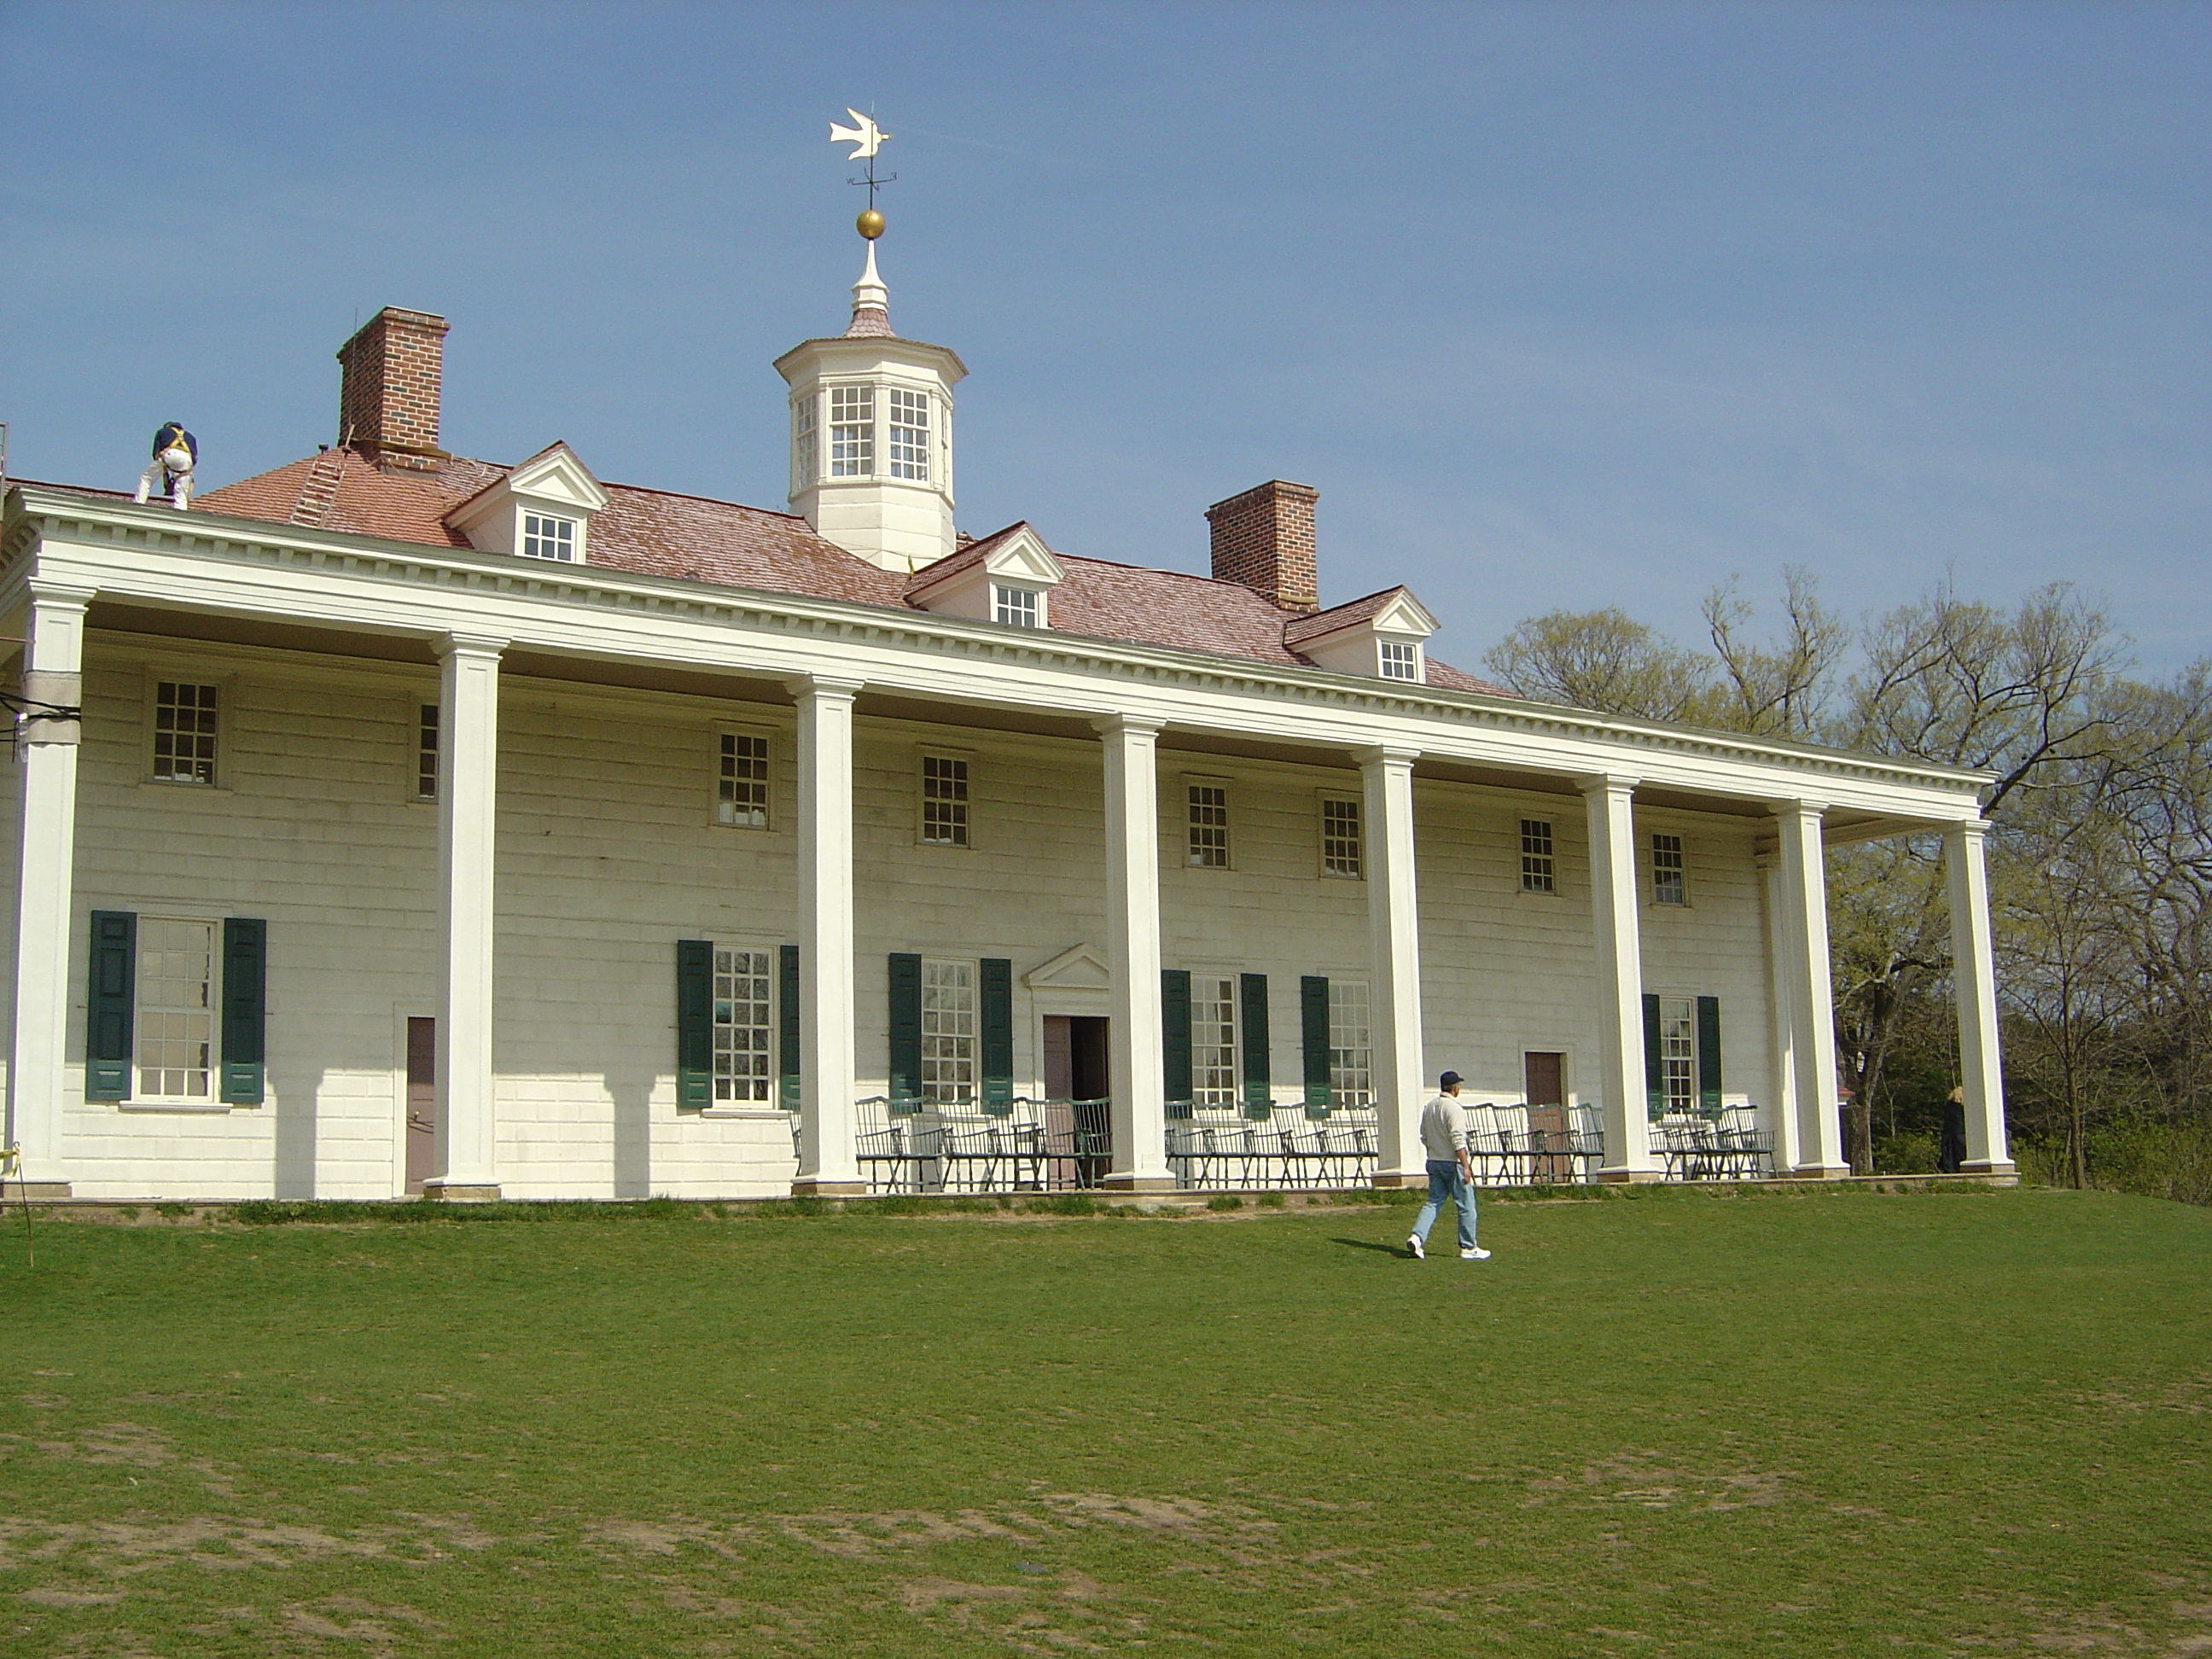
{"x":1605,"y":660}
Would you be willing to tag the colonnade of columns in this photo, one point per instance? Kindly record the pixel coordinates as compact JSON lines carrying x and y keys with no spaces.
{"x":1807,"y":1134}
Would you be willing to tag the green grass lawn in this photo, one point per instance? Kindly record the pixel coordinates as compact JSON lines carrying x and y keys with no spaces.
{"x":1681,"y":1424}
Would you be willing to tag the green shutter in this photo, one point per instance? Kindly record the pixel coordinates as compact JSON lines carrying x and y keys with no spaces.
{"x":1709,"y":1054}
{"x":244,"y":975}
{"x":108,"y":1013}
{"x":1654,"y":1061}
{"x":998,"y":1012}
{"x":695,"y":1024}
{"x":1313,"y":1037}
{"x":1175,"y":1032}
{"x":906,"y":1026}
{"x":786,"y":1026}
{"x":1259,"y":1082}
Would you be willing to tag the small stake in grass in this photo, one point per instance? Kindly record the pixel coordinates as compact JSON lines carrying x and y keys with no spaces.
{"x":11,"y":1159}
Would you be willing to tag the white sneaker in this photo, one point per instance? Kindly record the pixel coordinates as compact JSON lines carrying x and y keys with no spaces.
{"x":1478,"y":1254}
{"x":1413,"y":1248}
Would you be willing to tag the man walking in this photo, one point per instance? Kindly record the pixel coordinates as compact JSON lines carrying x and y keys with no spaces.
{"x":1451,"y":1172}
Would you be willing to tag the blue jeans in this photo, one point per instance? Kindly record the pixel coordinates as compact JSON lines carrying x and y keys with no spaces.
{"x":1447,"y":1181}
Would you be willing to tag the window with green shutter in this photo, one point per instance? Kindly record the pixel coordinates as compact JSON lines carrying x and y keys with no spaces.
{"x":787,"y":1027}
{"x":1654,"y":1061}
{"x":1709,"y":1054}
{"x":245,"y":1002}
{"x":996,"y":991}
{"x":695,"y":1024}
{"x":905,"y":1081}
{"x":107,"y":1028}
{"x":1259,"y":1080}
{"x":1312,"y":1039}
{"x":1174,"y":1033}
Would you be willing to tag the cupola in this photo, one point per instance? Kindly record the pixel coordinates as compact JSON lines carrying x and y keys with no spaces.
{"x":541,"y":509}
{"x":871,"y":432}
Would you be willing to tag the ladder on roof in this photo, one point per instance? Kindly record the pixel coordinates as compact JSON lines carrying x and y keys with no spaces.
{"x":320,"y":490}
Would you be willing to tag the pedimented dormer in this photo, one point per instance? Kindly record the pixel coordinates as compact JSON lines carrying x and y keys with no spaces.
{"x":1007,"y":577}
{"x":1381,"y":635}
{"x":541,"y":509}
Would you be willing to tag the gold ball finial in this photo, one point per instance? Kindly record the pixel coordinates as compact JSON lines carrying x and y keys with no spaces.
{"x":870,"y":224}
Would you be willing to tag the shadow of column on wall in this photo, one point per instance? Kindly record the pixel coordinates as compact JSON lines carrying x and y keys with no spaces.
{"x":293,"y":1098}
{"x":630,"y":1091}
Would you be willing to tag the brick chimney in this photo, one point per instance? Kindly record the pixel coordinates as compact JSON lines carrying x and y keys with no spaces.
{"x":1264,"y":539}
{"x":388,"y":389}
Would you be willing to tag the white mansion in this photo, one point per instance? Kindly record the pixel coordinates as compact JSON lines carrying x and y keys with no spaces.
{"x":395,"y":821}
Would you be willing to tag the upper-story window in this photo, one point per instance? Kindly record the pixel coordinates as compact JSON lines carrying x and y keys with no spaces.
{"x":544,"y":537}
{"x":1667,"y":885}
{"x":184,"y":733}
{"x":852,"y":431}
{"x":426,"y":753}
{"x":1400,"y":661}
{"x":943,"y":800}
{"x":1537,"y":871}
{"x":1208,"y":811}
{"x":909,"y":434}
{"x":1339,"y":837}
{"x":806,"y":441}
{"x":1021,"y":607}
{"x":743,"y":800}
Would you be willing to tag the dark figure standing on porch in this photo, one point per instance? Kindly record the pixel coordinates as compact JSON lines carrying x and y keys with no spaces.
{"x":1451,"y":1171}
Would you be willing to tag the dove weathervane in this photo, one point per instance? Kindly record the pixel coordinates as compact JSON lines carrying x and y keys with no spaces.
{"x":866,"y":138}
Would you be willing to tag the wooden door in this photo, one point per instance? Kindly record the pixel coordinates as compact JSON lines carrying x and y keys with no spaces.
{"x":1543,"y":1079}
{"x":422,"y":1101}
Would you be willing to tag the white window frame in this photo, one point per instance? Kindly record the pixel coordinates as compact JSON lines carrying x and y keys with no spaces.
{"x":907,"y":459}
{"x":1324,"y":839}
{"x":144,"y":1012}
{"x":1017,"y":606}
{"x":951,"y":1029}
{"x":1678,"y":1055}
{"x":730,"y":745}
{"x":429,"y":737}
{"x":1386,"y":660}
{"x":1199,"y":836}
{"x":1216,"y":1026}
{"x":963,"y":817}
{"x":218,"y":761}
{"x":1540,"y":869}
{"x":805,"y":440}
{"x":858,"y":431}
{"x":1351,"y":1043}
{"x":744,"y":1064}
{"x":556,"y":538}
{"x":1667,"y":845}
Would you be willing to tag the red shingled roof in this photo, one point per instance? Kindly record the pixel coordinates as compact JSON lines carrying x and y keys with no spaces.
{"x":654,"y":533}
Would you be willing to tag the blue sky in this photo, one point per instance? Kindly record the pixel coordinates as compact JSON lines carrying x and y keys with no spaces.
{"x":1558,"y":305}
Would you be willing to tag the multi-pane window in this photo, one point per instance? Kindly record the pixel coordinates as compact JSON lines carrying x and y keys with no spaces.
{"x":909,"y":434}
{"x":948,"y":1031}
{"x":1538,"y":874}
{"x":1400,"y":661}
{"x":1678,"y":1052}
{"x":805,"y":443}
{"x":743,"y":784}
{"x":943,"y":800}
{"x":544,"y":537}
{"x":852,"y":431}
{"x":743,"y":1030}
{"x":1351,"y":1059}
{"x":1340,"y":837}
{"x":184,"y":733}
{"x":1667,"y":882}
{"x":176,"y":1009}
{"x":1209,"y":826}
{"x":1212,"y":1040}
{"x":426,"y":753}
{"x":1017,"y":606}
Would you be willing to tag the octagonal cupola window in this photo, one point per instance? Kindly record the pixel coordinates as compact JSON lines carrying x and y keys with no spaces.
{"x":541,"y":509}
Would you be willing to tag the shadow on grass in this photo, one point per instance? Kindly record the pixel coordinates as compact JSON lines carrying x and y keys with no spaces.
{"x":1397,"y":1251}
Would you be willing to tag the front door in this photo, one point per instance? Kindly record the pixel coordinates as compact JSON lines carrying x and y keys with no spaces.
{"x":1543,"y":1080}
{"x":422,"y":1101}
{"x":1078,"y":1129}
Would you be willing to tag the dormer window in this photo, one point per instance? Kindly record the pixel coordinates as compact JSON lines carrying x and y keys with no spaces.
{"x":1017,"y":607}
{"x":544,"y":537}
{"x":852,"y":431}
{"x":1380,"y":636}
{"x":1401,"y":661}
{"x":1005,"y":578}
{"x":909,"y":434}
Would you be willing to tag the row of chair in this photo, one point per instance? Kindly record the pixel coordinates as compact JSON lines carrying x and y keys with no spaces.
{"x":1021,"y":1145}
{"x":1210,"y":1146}
{"x":1727,"y":1146}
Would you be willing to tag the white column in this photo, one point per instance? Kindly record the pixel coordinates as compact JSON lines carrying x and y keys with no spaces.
{"x":53,"y":673}
{"x":1973,"y":983}
{"x":827,"y":1161}
{"x":468,"y":805}
{"x":1133,"y":926}
{"x":1608,"y":802}
{"x":1394,"y":923}
{"x":1781,"y":977}
{"x":1820,"y":1151}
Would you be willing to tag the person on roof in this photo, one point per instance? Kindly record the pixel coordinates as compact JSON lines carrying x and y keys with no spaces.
{"x":176,"y":452}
